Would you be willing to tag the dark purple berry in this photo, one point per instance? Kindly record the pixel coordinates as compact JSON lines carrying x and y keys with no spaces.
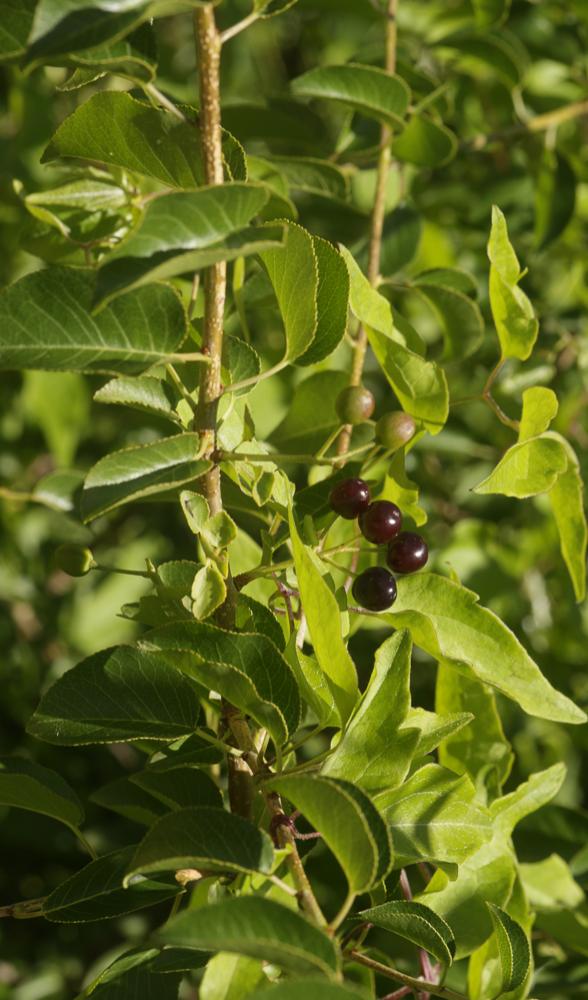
{"x":375,"y":589}
{"x":381,"y":522}
{"x":408,"y":552}
{"x":355,"y":404}
{"x":349,"y":498}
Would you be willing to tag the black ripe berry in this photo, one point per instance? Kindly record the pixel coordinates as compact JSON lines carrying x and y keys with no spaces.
{"x":407,"y":553}
{"x":375,"y":589}
{"x":355,"y":404}
{"x":381,"y":522}
{"x":350,"y":498}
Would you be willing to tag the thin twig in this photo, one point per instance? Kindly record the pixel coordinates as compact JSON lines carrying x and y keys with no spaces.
{"x":240,"y":26}
{"x":377,"y":223}
{"x":401,"y":977}
{"x":540,"y":123}
{"x":152,"y":91}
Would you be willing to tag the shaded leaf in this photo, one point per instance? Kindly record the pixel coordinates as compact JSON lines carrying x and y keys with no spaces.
{"x":366,"y":89}
{"x":316,"y":395}
{"x":461,"y":319}
{"x":555,"y":197}
{"x":179,"y":787}
{"x":313,"y":176}
{"x":141,"y":471}
{"x":25,"y":784}
{"x":47,"y":323}
{"x":116,"y":695}
{"x":425,"y":143}
{"x":96,"y":892}
{"x":202,"y":837}
{"x":243,"y":667}
{"x":257,"y":927}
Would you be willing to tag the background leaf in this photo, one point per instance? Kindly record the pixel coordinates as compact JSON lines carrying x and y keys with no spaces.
{"x":116,"y":695}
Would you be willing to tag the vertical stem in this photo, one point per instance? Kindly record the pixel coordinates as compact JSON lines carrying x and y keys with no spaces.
{"x":208,"y":51}
{"x":377,"y":222}
{"x":208,"y":46}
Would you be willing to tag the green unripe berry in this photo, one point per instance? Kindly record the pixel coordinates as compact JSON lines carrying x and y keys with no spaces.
{"x":395,"y":429}
{"x":75,"y":560}
{"x":355,"y":404}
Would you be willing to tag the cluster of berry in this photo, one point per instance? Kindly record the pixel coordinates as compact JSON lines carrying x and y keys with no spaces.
{"x":380,"y":522}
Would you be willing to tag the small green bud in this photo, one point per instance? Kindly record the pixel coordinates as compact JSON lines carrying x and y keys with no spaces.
{"x":355,"y":404}
{"x":395,"y":429}
{"x":73,"y":559}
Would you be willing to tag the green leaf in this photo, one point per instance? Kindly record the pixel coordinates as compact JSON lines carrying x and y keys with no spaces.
{"x":245,"y":668}
{"x":141,"y":471}
{"x":365,"y":302}
{"x":567,"y":503}
{"x":515,"y":322}
{"x":314,"y":686}
{"x":117,"y":695}
{"x":402,"y":491}
{"x":47,"y":323}
{"x":481,"y":749}
{"x":60,"y":26}
{"x":367,"y":89}
{"x":230,"y":977}
{"x":461,"y":319}
{"x":147,"y":394}
{"x":27,"y":785}
{"x":116,"y":129}
{"x":416,"y":923}
{"x":445,"y":619}
{"x":528,"y":468}
{"x":372,"y":752}
{"x":540,"y":407}
{"x":434,"y":817}
{"x":202,"y":837}
{"x":257,"y":927}
{"x":179,"y":787}
{"x":96,"y":892}
{"x":332,"y":300}
{"x":489,"y":874}
{"x":555,"y":197}
{"x":324,"y":624}
{"x":425,"y":143}
{"x":513,"y":949}
{"x":349,"y":823}
{"x":289,"y":269}
{"x":208,"y":591}
{"x":433,"y":728}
